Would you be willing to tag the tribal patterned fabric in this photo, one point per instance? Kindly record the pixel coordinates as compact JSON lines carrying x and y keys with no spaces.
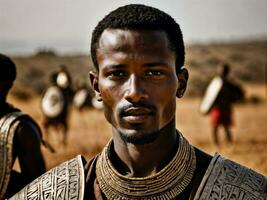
{"x":63,"y":182}
{"x":8,"y":125}
{"x":227,"y":180}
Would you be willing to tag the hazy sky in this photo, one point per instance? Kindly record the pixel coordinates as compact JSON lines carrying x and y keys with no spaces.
{"x":66,"y":25}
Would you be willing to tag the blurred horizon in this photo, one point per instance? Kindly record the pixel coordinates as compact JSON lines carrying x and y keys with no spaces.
{"x":65,"y":27}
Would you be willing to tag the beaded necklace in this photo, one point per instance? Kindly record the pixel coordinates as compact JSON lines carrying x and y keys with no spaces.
{"x":165,"y":184}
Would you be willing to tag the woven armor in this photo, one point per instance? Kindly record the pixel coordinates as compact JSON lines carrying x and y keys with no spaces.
{"x":227,"y":180}
{"x":8,"y":125}
{"x":63,"y":182}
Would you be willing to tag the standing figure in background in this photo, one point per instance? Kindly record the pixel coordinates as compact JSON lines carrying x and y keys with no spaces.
{"x":82,"y":97}
{"x":219,"y":98}
{"x":55,"y":103}
{"x":20,"y":137}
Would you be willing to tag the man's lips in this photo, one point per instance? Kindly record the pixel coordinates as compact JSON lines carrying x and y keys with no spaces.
{"x":135,"y":111}
{"x":136,"y":114}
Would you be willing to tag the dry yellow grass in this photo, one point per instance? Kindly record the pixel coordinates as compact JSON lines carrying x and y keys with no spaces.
{"x":89,"y":131}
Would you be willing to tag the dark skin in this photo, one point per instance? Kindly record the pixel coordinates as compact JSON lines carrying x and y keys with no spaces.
{"x":138,"y":83}
{"x":26,"y":145}
{"x":27,"y":149}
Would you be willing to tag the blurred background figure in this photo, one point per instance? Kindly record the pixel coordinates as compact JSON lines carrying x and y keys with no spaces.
{"x":218,"y":101}
{"x":82,"y":98}
{"x":85,"y":98}
{"x":55,"y":104}
{"x":20,"y":138}
{"x":63,"y":79}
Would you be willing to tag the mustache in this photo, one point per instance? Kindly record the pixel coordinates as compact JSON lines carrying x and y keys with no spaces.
{"x":142,"y":105}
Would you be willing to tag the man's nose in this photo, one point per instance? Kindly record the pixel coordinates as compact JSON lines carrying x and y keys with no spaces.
{"x":135,"y":91}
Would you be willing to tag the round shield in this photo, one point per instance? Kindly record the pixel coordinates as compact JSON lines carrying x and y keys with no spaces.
{"x":210,"y":95}
{"x":97,"y":104}
{"x":80,"y":98}
{"x":53,"y":102}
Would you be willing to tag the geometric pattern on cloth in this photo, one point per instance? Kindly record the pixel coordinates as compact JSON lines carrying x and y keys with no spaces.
{"x":228,"y":180}
{"x":8,"y":125}
{"x":63,"y":182}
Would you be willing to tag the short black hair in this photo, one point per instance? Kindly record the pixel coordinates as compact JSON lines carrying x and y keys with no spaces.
{"x":141,"y":17}
{"x":7,"y":69}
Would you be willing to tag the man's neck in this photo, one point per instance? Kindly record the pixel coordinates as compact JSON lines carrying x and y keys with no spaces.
{"x":146,"y":159}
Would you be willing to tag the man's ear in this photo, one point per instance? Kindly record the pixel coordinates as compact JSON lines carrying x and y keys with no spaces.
{"x":94,"y":84}
{"x":182,"y":82}
{"x":93,"y":76}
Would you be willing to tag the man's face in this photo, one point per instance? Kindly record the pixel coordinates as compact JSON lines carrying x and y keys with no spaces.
{"x":137,"y":80}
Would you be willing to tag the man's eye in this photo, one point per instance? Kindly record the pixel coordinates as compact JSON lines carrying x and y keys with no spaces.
{"x":115,"y":74}
{"x":154,"y":73}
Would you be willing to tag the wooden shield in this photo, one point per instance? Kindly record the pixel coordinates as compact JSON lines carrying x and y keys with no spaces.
{"x":97,"y":104}
{"x":53,"y":102}
{"x":210,"y":95}
{"x":80,"y":98}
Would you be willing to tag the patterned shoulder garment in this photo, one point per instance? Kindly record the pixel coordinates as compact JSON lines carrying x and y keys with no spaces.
{"x":63,"y":182}
{"x":8,"y":125}
{"x":227,"y":180}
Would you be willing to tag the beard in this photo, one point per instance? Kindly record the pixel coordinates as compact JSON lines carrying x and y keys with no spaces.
{"x":140,"y":139}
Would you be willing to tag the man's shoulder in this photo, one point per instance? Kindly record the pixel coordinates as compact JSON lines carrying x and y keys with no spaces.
{"x":8,"y":119}
{"x":203,"y":159}
{"x":65,"y":181}
{"x":226,"y":179}
{"x":19,"y":122}
{"x":90,"y":170}
{"x":16,"y":115}
{"x":27,"y":122}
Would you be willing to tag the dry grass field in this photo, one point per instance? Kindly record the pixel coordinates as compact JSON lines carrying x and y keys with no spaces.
{"x":89,"y":131}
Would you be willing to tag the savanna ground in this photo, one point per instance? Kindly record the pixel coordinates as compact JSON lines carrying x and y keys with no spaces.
{"x":89,"y":131}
